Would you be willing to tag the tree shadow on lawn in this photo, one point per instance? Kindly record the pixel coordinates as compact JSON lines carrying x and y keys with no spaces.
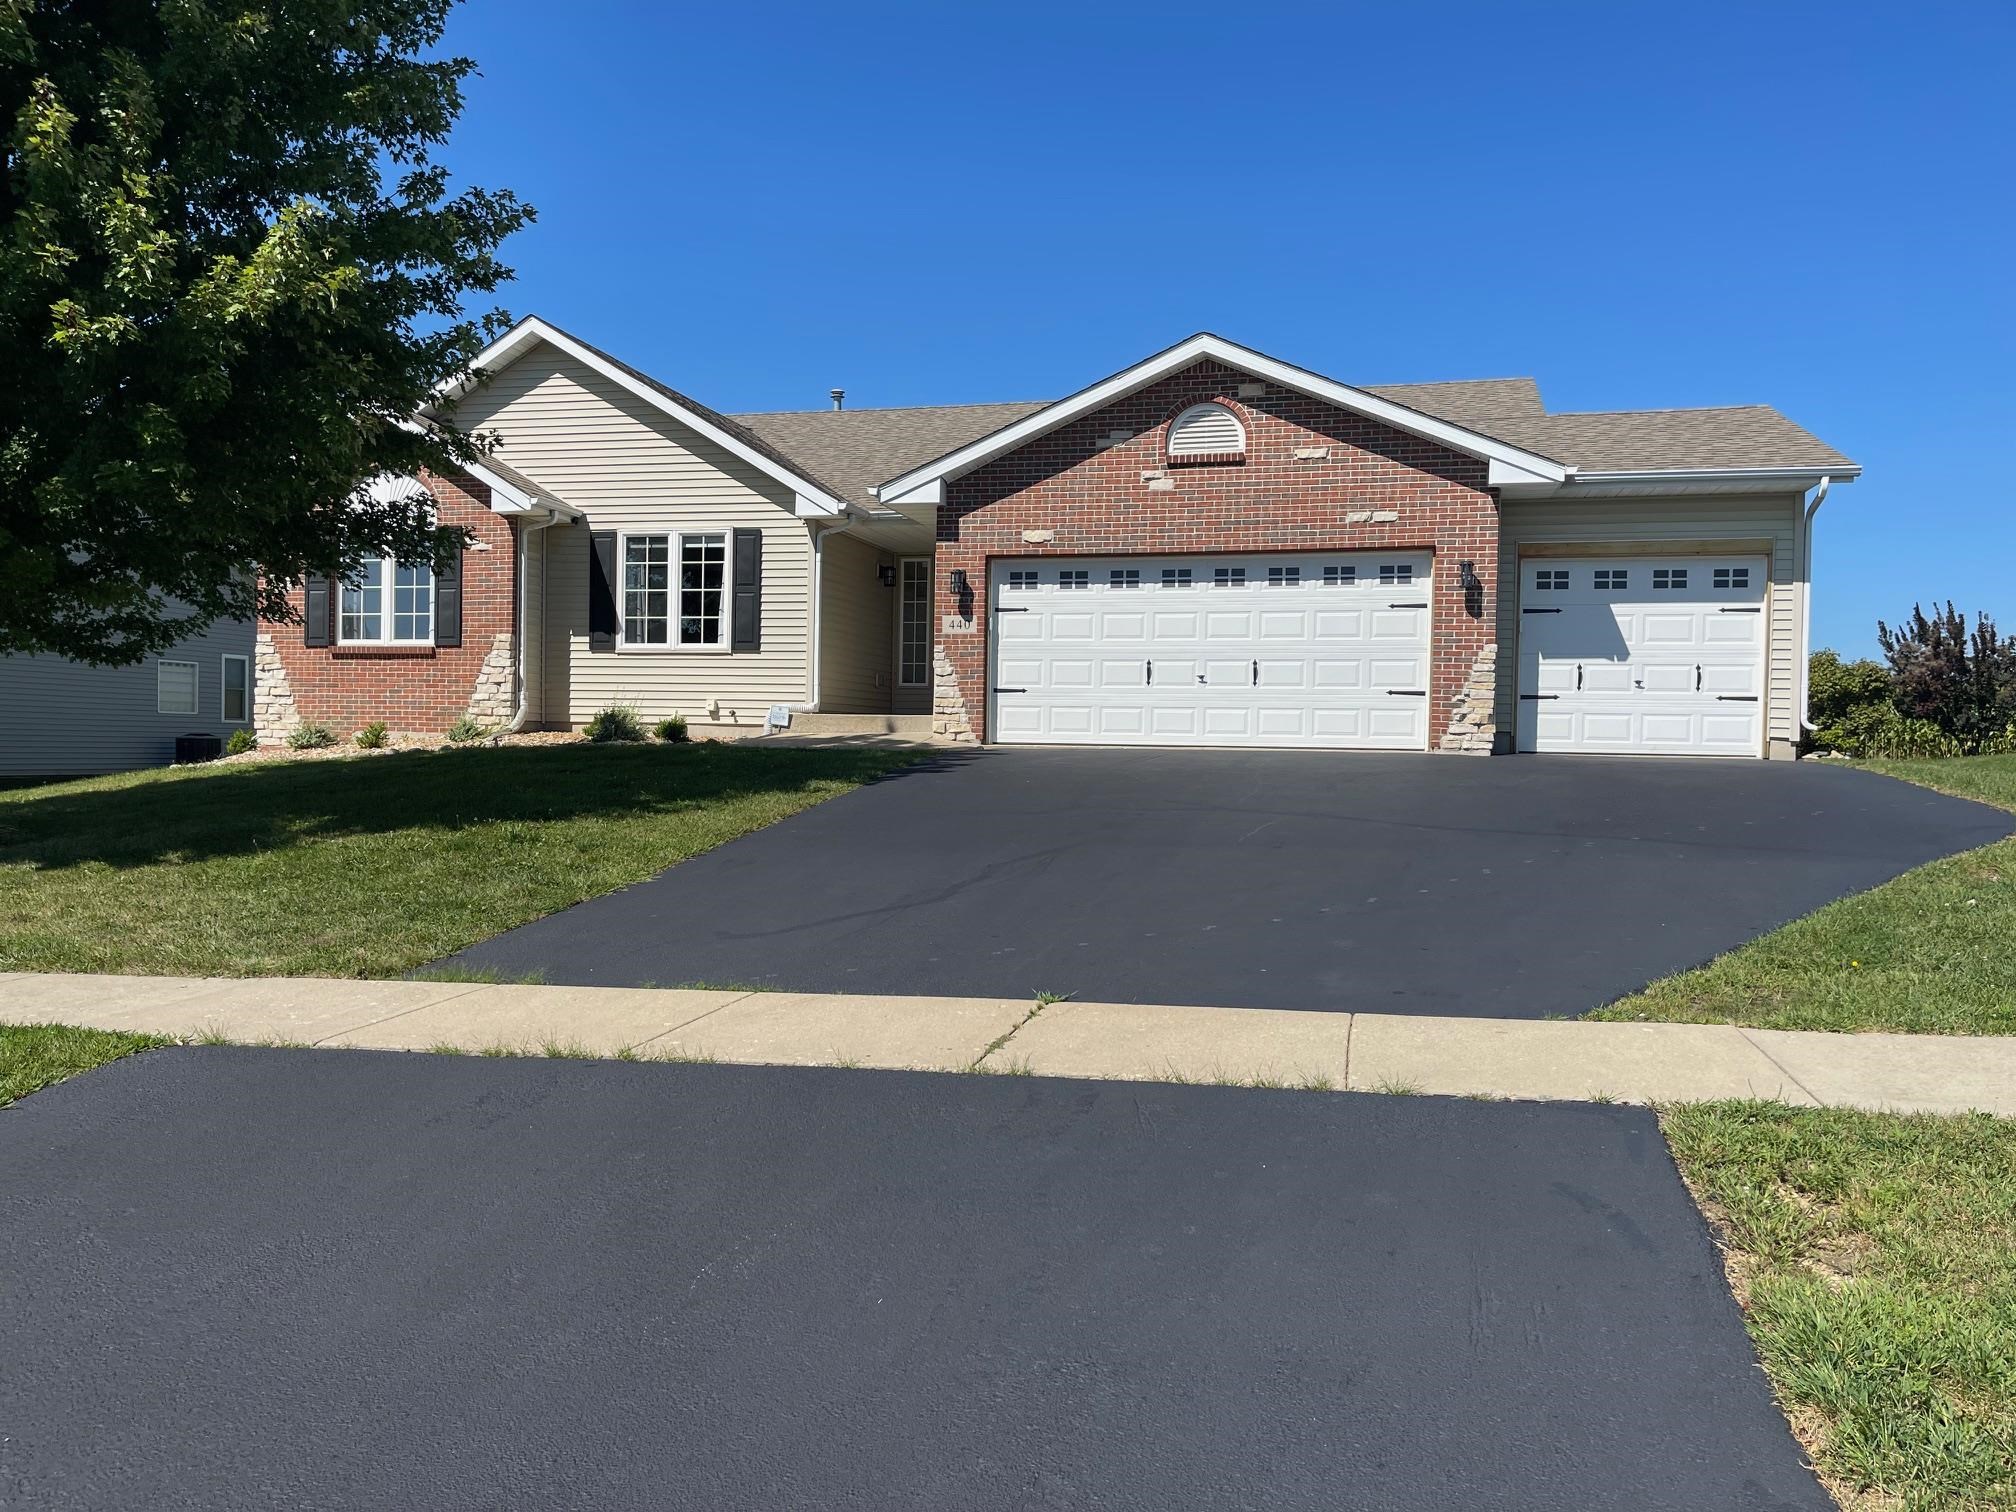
{"x":198,"y":814}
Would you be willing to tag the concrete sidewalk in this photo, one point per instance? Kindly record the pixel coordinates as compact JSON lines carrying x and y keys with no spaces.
{"x":1369,"y":1052}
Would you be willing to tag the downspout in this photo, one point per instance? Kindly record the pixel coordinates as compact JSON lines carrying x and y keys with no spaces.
{"x":1806,"y":604}
{"x":819,"y":534}
{"x":518,"y":582}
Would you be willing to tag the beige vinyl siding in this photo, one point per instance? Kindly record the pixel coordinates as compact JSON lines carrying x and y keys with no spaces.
{"x":1772,"y":521}
{"x":532,"y":545}
{"x":629,"y":467}
{"x":856,"y":646}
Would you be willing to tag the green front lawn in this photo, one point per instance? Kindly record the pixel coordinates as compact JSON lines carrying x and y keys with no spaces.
{"x":1927,"y":953}
{"x":34,"y":1056}
{"x":1875,"y":1257}
{"x":373,"y":866}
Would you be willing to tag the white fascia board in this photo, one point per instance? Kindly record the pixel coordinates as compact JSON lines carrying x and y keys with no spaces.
{"x":807,"y":507}
{"x":931,"y":491}
{"x":515,"y":342}
{"x":1790,"y":476}
{"x":904,"y":489}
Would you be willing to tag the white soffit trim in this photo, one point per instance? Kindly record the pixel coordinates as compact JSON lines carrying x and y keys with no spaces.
{"x":810,"y":498}
{"x":1509,"y":464}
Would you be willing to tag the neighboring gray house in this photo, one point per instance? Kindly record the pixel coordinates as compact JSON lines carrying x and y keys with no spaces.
{"x":64,"y":718}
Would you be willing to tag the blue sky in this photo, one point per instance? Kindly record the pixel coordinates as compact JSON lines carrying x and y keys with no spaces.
{"x":1640,"y":206}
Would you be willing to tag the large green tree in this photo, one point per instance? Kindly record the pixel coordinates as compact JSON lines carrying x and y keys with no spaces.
{"x":231,"y":268}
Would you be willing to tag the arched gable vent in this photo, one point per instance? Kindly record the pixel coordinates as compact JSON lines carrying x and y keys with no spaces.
{"x":1206,"y":432}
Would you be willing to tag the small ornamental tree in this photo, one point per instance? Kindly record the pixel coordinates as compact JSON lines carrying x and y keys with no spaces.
{"x":230,"y":271}
{"x":1960,"y":680}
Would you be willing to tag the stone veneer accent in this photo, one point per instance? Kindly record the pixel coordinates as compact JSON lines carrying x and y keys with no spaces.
{"x":274,"y":716}
{"x":494,"y":700}
{"x":1472,"y":720}
{"x":948,"y":704}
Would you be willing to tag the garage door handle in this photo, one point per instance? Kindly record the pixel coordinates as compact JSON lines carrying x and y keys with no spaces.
{"x":1578,"y":677}
{"x":1256,"y":674}
{"x":1151,"y":674}
{"x":1735,"y":698}
{"x":1697,"y":679}
{"x":1753,"y":609}
{"x":1406,"y":692}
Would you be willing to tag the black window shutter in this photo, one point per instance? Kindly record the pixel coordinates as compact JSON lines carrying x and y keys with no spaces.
{"x":748,"y":590}
{"x":315,"y":594}
{"x":448,"y":601}
{"x":602,"y":590}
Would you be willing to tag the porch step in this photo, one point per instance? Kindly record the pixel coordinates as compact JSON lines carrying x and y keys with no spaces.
{"x":913,"y":726}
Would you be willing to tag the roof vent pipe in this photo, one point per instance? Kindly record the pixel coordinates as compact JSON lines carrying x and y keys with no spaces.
{"x":839,"y":397}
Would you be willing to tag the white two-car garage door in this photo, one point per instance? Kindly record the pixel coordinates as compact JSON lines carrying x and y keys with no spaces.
{"x":1308,"y":649}
{"x":1642,"y":655}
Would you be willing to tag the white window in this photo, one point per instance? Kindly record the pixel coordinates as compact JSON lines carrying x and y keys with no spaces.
{"x":1074,"y":577}
{"x":1396,"y":572}
{"x":1669,"y":578}
{"x":1551,"y":579}
{"x":1613,"y":577}
{"x":1175,"y":577}
{"x":1123,"y":577}
{"x":1228,"y":577}
{"x":1339,"y":576}
{"x":237,"y":685}
{"x":1021,"y":577}
{"x":694,"y":614}
{"x":1283,"y":577}
{"x":388,"y":602}
{"x":175,"y":687}
{"x":1206,"y":430}
{"x":1732,"y":577}
{"x":914,"y":663}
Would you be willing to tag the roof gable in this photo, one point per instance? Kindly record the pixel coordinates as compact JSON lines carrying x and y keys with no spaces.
{"x":1509,"y":464}
{"x":814,"y":495}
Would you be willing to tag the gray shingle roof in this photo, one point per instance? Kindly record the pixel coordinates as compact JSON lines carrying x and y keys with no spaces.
{"x":1467,"y":403}
{"x":857,"y":449}
{"x":1737,"y":436}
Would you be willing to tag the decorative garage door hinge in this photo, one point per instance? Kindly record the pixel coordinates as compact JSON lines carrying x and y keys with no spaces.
{"x":1735,"y":698}
{"x":1539,"y":611}
{"x":1753,"y":609}
{"x":1406,"y":692}
{"x":1536,"y":697}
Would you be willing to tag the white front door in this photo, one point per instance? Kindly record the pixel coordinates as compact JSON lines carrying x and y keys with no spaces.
{"x":1642,"y":655}
{"x":1318,"y":649}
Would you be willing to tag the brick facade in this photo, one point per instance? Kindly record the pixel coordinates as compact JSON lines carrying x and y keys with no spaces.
{"x":417,"y":690}
{"x":1314,"y":478}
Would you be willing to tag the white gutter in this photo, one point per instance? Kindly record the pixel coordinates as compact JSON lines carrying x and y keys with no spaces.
{"x":819,"y":534}
{"x":526,"y":527}
{"x":1806,"y":603}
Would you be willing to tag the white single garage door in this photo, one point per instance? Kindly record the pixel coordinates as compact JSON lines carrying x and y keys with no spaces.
{"x":1280,"y":650}
{"x":1642,"y":655}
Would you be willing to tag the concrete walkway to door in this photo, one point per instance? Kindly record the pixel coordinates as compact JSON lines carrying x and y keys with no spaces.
{"x":1369,"y":1052}
{"x":1514,"y":887}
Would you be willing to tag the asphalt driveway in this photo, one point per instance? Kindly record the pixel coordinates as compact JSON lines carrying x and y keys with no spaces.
{"x":240,"y":1277}
{"x":1379,"y":883}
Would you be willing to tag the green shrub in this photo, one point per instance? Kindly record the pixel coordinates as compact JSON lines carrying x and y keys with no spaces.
{"x":240,"y":742}
{"x":1833,"y":686}
{"x":371,"y":737}
{"x":466,"y":729}
{"x":617,"y":722}
{"x":1879,"y":730}
{"x":673,"y":729}
{"x":310,"y":735}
